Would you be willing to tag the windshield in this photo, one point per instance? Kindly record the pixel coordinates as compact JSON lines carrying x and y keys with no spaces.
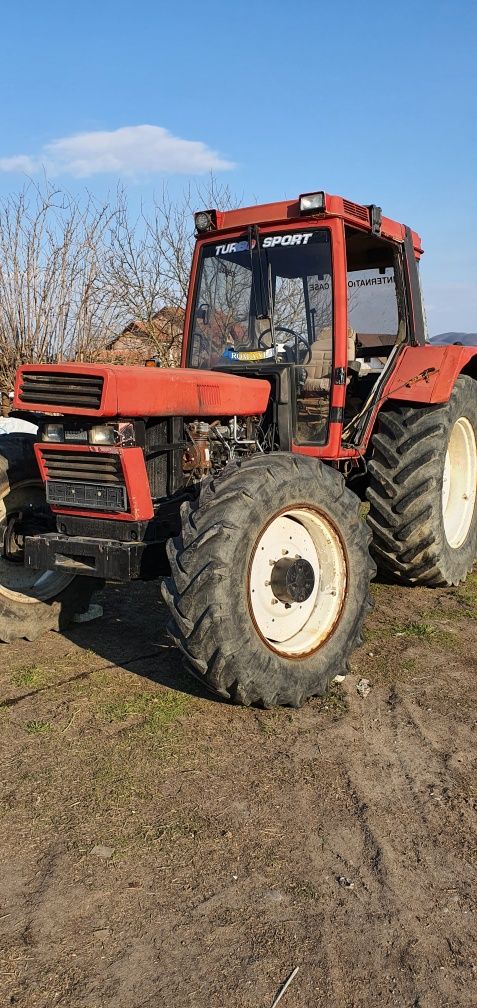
{"x":247,"y":294}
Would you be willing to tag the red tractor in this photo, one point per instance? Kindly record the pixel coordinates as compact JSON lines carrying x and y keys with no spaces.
{"x":306,"y":384}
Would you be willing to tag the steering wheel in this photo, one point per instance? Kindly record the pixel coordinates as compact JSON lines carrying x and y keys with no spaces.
{"x":296,"y":336}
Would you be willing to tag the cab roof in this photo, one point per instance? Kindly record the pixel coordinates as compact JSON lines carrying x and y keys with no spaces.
{"x":368,"y":218}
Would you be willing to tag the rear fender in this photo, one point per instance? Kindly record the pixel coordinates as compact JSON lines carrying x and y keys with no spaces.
{"x":427,"y":374}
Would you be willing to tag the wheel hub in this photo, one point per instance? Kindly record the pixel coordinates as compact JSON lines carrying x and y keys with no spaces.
{"x":297,"y":581}
{"x":292,"y":580}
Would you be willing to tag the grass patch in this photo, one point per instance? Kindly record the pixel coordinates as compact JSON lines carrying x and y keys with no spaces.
{"x":158,"y":711}
{"x":428,"y":632}
{"x":334,"y":702}
{"x":38,"y":727}
{"x":424,"y":631}
{"x":33,"y":675}
{"x":467,"y":593}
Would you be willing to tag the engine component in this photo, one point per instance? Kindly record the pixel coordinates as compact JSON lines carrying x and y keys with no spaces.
{"x":211,"y":446}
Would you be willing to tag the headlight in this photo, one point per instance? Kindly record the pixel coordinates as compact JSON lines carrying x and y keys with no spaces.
{"x":102,"y":435}
{"x":312,"y":202}
{"x":53,"y":432}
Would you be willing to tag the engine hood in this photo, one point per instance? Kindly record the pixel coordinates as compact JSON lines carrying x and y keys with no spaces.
{"x":113,"y":391}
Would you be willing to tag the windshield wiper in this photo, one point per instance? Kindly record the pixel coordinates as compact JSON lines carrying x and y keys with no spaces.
{"x":264,"y":307}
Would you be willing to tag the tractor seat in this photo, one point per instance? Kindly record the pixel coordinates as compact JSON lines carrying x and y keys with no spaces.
{"x":320,"y":365}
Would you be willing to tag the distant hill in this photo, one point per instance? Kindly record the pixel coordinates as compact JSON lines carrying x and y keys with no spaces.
{"x":466,"y":338}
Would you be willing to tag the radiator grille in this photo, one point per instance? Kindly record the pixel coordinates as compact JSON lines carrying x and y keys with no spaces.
{"x":52,"y":388}
{"x":87,"y":467}
{"x":85,"y":480}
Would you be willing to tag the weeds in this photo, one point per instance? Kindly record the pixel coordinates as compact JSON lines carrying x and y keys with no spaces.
{"x":38,"y":727}
{"x":467,"y":593}
{"x":422,"y":630}
{"x":158,"y":711}
{"x":32,"y":675}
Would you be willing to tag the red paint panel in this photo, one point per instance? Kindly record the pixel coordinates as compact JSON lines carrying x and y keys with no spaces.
{"x":144,"y":392}
{"x":289,"y":211}
{"x":135,"y":479}
{"x":188,"y":392}
{"x":108,"y":398}
{"x":427,"y":374}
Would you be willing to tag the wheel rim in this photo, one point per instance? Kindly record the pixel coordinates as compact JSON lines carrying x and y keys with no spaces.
{"x":17,"y":582}
{"x":297,"y":581}
{"x":459,"y":483}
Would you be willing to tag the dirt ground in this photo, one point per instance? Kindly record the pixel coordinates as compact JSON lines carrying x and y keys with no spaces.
{"x":161,"y":848}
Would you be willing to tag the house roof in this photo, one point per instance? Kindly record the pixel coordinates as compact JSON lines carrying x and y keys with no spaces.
{"x":169,"y":317}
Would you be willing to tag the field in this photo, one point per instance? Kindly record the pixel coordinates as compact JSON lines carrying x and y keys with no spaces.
{"x":160,"y":848}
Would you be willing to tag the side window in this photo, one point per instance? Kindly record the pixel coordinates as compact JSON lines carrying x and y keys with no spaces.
{"x":375,"y":302}
{"x":372,"y":302}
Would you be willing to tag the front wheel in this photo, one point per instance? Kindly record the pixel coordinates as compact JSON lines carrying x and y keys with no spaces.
{"x":270,"y":580}
{"x":31,"y":602}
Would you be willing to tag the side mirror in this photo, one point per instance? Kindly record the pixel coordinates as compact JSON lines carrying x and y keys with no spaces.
{"x":202,"y":313}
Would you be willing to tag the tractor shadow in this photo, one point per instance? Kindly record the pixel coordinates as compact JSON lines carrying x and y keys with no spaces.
{"x":132,"y":635}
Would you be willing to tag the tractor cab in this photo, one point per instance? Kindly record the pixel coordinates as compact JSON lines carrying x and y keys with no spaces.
{"x":318,"y":288}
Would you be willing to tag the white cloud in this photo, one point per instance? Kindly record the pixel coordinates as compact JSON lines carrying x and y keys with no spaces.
{"x":130,"y":150}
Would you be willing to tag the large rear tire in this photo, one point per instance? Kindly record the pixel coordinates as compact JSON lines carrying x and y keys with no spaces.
{"x":269,"y":580}
{"x":423,"y":490}
{"x":30,"y":602}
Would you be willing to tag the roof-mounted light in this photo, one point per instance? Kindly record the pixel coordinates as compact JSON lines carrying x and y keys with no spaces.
{"x":311,"y":203}
{"x":205,"y":220}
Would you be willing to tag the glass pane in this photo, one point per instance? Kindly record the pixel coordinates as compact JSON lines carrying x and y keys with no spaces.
{"x":372,"y":302}
{"x":312,"y":391}
{"x":245,"y":293}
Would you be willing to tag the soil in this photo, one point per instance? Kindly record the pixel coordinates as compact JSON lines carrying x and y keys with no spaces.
{"x":162,"y":848}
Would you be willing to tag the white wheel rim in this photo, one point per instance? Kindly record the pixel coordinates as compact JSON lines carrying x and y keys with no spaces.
{"x":459,"y":483}
{"x":19,"y":584}
{"x":22,"y":585}
{"x":294,"y":629}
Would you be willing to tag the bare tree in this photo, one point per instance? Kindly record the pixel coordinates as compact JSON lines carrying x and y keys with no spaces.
{"x":148,"y":268}
{"x":53,"y":304}
{"x":73,"y":274}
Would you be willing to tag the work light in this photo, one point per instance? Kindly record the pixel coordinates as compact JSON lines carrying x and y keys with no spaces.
{"x":312,"y":202}
{"x":205,"y":220}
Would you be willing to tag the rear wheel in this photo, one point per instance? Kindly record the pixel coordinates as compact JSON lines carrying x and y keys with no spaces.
{"x":423,"y":490}
{"x":270,"y":580}
{"x":30,"y":601}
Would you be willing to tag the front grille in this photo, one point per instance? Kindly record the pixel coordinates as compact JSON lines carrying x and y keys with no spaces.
{"x":88,"y":467}
{"x":84,"y":479}
{"x":54,"y":388}
{"x":98,"y":496}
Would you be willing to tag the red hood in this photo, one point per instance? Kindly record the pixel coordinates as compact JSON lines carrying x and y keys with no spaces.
{"x":112,"y":391}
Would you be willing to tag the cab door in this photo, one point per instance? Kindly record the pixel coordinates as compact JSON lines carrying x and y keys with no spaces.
{"x":319,"y":383}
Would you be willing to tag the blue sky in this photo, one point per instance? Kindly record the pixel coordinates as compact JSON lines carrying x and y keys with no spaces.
{"x":373,"y":101}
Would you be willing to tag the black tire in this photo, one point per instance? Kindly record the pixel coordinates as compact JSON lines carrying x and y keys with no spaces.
{"x":207,"y":592}
{"x":406,"y":513}
{"x":21,"y":490}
